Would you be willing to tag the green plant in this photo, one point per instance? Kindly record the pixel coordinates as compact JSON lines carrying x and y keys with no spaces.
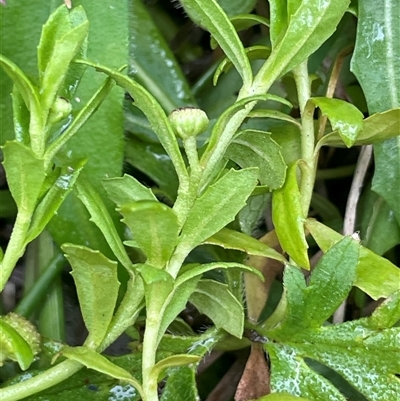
{"x":213,"y":167}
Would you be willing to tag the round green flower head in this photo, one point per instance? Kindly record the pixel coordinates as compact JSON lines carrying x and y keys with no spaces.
{"x":188,"y":121}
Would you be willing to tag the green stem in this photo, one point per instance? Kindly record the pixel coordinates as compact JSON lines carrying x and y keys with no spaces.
{"x":308,"y":163}
{"x":49,"y":378}
{"x":150,"y":385}
{"x":15,"y":248}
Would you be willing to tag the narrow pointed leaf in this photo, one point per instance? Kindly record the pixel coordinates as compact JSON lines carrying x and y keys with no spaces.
{"x":162,"y":76}
{"x":288,"y":219}
{"x":153,"y":111}
{"x":154,"y":227}
{"x":14,"y":346}
{"x":31,"y":98}
{"x":101,"y":217}
{"x":311,"y":25}
{"x":212,"y":17}
{"x":198,"y":270}
{"x":222,"y":201}
{"x":97,"y":285}
{"x":370,"y":265}
{"x":214,"y":300}
{"x":127,"y":189}
{"x":230,"y":239}
{"x":93,"y":360}
{"x":173,"y":361}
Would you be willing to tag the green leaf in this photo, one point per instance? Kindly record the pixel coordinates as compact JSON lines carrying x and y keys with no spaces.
{"x":310,"y":26}
{"x":97,"y":286}
{"x":93,"y":360}
{"x":370,"y":265}
{"x":101,"y":217}
{"x":379,"y":229}
{"x":331,"y":281}
{"x":235,"y":7}
{"x":176,"y":302}
{"x":282,"y":397}
{"x":386,"y":180}
{"x":180,"y":384}
{"x":127,"y":189}
{"x":343,"y":116}
{"x":376,"y":64}
{"x":379,"y":127}
{"x":21,"y":117}
{"x":58,"y":46}
{"x":221,"y":202}
{"x":363,"y":352}
{"x":161,"y":76}
{"x":256,"y":148}
{"x":52,"y":200}
{"x":231,"y":239}
{"x":154,"y":227}
{"x":13,"y":346}
{"x":376,"y":58}
{"x":25,"y":175}
{"x":387,"y":314}
{"x":31,"y":98}
{"x":217,"y":302}
{"x":155,"y":114}
{"x":172,"y":361}
{"x":288,"y":219}
{"x":210,"y":15}
{"x":199,"y":269}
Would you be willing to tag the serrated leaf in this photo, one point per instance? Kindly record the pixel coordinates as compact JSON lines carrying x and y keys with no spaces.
{"x":307,"y":29}
{"x":231,"y":239}
{"x":256,"y":148}
{"x":25,"y":188}
{"x":370,"y":265}
{"x":343,"y":116}
{"x":331,"y":281}
{"x":222,"y":201}
{"x":387,"y":314}
{"x":154,"y":227}
{"x":101,"y":217}
{"x":288,"y":218}
{"x":217,"y":302}
{"x":93,"y":360}
{"x":127,"y":189}
{"x":212,"y":17}
{"x":357,"y":350}
{"x":162,"y":76}
{"x":97,"y":286}
{"x":53,"y":199}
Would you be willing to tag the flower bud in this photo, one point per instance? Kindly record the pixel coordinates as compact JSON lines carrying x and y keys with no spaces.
{"x":60,"y":109}
{"x":188,"y":121}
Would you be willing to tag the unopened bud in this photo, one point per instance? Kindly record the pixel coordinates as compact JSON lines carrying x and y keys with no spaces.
{"x":188,"y":121}
{"x":60,"y":109}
